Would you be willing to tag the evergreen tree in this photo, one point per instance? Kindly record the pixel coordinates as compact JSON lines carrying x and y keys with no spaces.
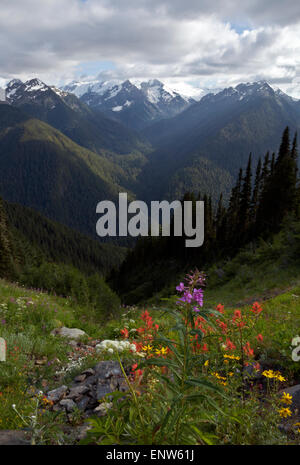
{"x":5,"y":245}
{"x":256,"y":191}
{"x":245,"y":204}
{"x":280,"y":193}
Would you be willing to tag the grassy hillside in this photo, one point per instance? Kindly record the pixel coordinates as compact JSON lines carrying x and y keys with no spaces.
{"x":35,"y":357}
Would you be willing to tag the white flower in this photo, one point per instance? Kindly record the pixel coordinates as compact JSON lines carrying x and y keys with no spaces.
{"x":115,"y":346}
{"x":141,"y":354}
{"x":13,"y":406}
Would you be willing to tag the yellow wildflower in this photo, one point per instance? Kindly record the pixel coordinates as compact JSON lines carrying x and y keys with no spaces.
{"x":297,"y":425}
{"x":219,"y":377}
{"x":147,"y":348}
{"x":286,"y":398}
{"x":280,"y":377}
{"x":285,"y":412}
{"x":269,"y":374}
{"x":232,"y":357}
{"x":206,"y":363}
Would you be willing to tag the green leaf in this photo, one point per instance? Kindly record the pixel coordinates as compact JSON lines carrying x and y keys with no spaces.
{"x":205,"y":384}
{"x":206,"y":438}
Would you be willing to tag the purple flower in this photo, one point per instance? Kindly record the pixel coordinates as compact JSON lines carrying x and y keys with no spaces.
{"x":196,"y":309}
{"x":3,"y":322}
{"x":187,"y":297}
{"x":198,"y":296}
{"x":180,"y":287}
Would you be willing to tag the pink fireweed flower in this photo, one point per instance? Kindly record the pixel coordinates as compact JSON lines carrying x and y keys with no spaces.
{"x":187,"y":297}
{"x":198,"y":296}
{"x":180,"y":287}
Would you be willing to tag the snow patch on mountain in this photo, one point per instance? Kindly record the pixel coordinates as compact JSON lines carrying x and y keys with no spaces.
{"x":35,"y":85}
{"x":80,"y":88}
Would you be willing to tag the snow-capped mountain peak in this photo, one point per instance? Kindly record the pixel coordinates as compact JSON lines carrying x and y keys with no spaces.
{"x":134,"y":102}
{"x":16,"y":90}
{"x":35,"y":85}
{"x":242,"y":91}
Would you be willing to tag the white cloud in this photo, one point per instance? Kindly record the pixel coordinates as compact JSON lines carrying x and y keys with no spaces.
{"x":176,"y":41}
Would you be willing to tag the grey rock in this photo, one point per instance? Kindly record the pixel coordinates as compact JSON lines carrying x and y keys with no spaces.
{"x":57,"y":394}
{"x":88,"y":372}
{"x":103,"y":390}
{"x":123,"y":386}
{"x":89,"y":413}
{"x":70,"y":333}
{"x":113,"y":372}
{"x":103,"y":408}
{"x":83,"y":403}
{"x":13,"y":438}
{"x":79,"y":378}
{"x":91,"y":380}
{"x":77,"y":391}
{"x":68,"y":404}
{"x":92,"y":403}
{"x":102,"y":368}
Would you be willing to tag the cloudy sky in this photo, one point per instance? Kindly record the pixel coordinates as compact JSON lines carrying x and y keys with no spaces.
{"x":189,"y":44}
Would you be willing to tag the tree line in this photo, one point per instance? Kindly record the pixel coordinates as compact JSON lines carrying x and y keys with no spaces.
{"x":261,"y":199}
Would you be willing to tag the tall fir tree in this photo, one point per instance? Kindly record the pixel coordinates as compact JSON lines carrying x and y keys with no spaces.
{"x":245,"y":204}
{"x":6,"y":259}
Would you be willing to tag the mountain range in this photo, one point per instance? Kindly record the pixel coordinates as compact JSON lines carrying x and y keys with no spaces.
{"x":203,"y":147}
{"x":61,"y":152}
{"x":68,"y":114}
{"x":136,"y":104}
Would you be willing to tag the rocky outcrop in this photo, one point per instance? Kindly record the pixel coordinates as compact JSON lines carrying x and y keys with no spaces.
{"x":89,"y":389}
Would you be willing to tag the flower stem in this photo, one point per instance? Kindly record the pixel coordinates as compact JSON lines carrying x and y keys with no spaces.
{"x":131,"y":389}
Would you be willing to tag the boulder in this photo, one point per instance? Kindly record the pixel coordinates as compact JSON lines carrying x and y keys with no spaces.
{"x":71,"y":333}
{"x":103,"y":408}
{"x":103,"y":390}
{"x":68,"y":404}
{"x":57,"y":394}
{"x":83,"y":403}
{"x":77,"y":391}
